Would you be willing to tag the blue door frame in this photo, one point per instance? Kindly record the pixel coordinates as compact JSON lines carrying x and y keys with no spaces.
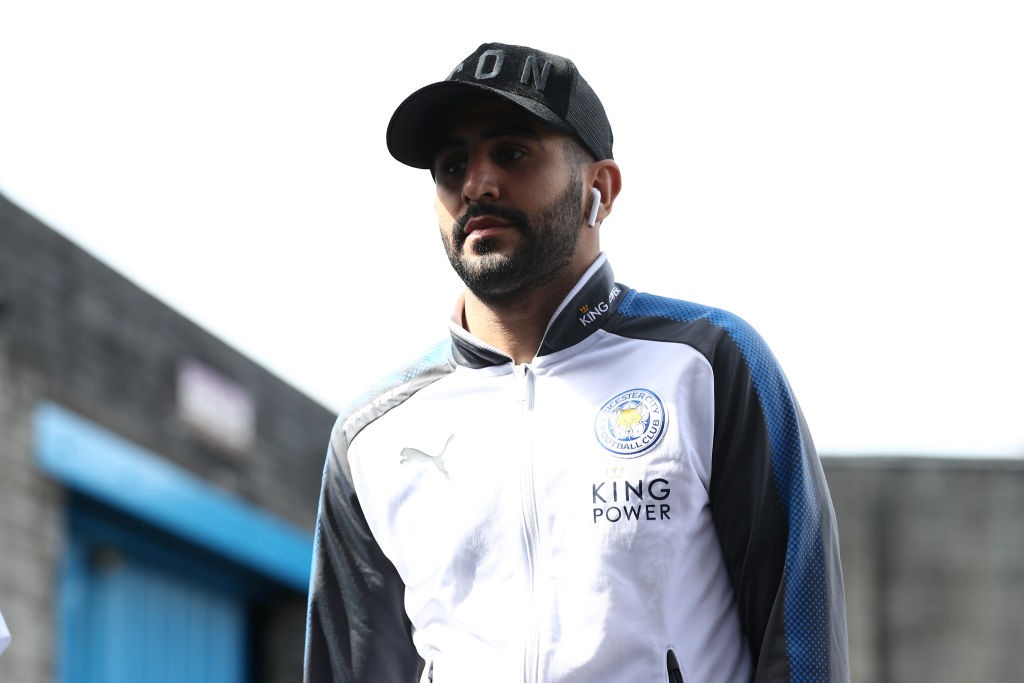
{"x":160,"y":569}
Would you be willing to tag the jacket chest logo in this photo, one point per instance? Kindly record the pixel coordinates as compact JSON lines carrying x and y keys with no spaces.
{"x":410,"y":455}
{"x":630,"y":423}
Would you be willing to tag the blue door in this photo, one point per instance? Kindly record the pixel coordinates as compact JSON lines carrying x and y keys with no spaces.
{"x":143,"y":624}
{"x":140,"y":607}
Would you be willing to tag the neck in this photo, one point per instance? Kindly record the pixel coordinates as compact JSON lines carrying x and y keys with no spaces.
{"x":516,"y":327}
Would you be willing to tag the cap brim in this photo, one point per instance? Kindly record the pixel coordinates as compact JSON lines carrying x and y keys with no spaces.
{"x":415,"y":130}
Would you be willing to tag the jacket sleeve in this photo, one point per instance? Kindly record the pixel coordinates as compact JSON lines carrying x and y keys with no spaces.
{"x":774,"y":517}
{"x":356,"y":628}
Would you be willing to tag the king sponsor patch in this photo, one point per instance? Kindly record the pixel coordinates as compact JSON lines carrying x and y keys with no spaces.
{"x":630,"y":423}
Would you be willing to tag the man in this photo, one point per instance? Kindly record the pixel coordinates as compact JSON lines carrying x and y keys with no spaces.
{"x":585,"y":483}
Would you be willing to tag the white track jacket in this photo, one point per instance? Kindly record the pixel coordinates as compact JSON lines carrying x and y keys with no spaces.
{"x":640,"y":503}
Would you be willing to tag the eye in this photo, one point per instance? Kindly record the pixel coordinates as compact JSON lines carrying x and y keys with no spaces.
{"x":454,"y":164}
{"x":509,"y":154}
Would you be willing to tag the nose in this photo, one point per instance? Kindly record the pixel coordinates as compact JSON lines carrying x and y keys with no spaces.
{"x":480,"y":183}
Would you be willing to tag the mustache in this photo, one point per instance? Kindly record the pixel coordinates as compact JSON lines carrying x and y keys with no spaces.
{"x":514,"y":216}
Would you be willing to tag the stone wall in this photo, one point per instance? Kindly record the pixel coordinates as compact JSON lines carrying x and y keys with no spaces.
{"x":933,"y":557}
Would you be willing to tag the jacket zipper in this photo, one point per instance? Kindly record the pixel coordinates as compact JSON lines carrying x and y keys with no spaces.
{"x":675,"y":675}
{"x":530,"y":533}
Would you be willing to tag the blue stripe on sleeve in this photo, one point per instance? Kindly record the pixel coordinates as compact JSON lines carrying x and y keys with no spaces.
{"x":806,"y":609}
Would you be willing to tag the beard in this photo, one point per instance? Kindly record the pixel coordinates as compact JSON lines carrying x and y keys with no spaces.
{"x":547,"y":246}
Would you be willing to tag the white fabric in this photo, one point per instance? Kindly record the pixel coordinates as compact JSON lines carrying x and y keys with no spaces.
{"x":5,"y":634}
{"x":493,"y":541}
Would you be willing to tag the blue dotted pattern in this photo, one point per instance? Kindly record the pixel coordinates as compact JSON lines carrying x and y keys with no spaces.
{"x":807,"y":621}
{"x":438,"y":354}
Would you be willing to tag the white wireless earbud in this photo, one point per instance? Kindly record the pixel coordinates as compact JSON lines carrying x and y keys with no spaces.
{"x":595,"y":204}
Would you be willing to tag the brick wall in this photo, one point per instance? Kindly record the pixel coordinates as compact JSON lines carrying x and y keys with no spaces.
{"x":31,"y":532}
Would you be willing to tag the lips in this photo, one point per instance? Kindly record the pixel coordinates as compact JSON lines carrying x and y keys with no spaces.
{"x":486,"y":223}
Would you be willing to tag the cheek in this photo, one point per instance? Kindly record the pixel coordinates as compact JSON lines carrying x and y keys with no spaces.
{"x":445,"y":219}
{"x":446,"y":206}
{"x":439,"y":207}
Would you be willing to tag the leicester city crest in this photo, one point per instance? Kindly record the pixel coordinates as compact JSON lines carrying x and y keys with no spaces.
{"x":630,"y":423}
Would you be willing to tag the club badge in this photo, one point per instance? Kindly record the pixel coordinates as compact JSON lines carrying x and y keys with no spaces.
{"x":630,"y":423}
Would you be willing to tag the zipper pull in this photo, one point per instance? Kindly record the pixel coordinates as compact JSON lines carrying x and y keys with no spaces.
{"x":526,"y":374}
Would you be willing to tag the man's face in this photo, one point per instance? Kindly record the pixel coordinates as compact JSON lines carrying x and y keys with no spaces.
{"x":509,"y":202}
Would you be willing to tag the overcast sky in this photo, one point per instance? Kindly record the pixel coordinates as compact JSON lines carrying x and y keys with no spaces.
{"x":848,"y":177}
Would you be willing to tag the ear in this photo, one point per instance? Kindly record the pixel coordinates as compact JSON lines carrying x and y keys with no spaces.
{"x":606,"y":177}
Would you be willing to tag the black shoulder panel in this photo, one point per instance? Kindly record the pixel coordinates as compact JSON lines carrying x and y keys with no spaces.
{"x":356,"y":626}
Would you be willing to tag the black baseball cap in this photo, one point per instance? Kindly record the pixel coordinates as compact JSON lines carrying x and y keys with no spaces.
{"x":546,"y":86}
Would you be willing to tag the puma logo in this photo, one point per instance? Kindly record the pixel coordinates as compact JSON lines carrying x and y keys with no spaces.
{"x":416,"y":455}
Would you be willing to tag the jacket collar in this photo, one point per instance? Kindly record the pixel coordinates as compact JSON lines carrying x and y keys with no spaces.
{"x":586,"y":309}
